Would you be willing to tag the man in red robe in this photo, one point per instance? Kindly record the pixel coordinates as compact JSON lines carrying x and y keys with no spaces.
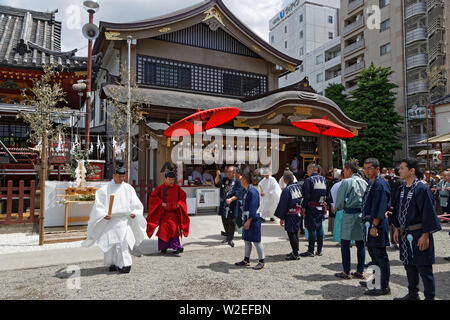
{"x":167,"y":209}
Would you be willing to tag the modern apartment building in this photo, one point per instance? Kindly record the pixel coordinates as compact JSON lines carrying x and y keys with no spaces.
{"x":322,"y":66}
{"x":301,"y":27}
{"x":426,"y":46}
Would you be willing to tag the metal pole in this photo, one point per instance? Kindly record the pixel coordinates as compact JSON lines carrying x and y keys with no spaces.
{"x":428,"y":136}
{"x":88,"y":89}
{"x":129,"y":38}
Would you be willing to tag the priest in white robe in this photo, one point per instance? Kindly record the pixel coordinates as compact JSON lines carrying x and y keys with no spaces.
{"x":270,"y":193}
{"x":120,"y":232}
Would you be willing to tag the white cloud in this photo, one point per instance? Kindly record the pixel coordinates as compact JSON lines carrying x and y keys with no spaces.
{"x":254,"y":14}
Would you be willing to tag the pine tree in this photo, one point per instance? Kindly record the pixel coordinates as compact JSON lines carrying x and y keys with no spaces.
{"x":374,"y":103}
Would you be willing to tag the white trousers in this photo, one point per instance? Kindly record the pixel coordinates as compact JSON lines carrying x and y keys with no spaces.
{"x":119,"y":255}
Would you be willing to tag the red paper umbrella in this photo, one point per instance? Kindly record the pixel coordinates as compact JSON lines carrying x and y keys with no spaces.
{"x":202,"y":121}
{"x":323,"y":127}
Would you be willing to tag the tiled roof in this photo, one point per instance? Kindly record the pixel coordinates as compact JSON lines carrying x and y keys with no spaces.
{"x":440,"y":101}
{"x":32,"y":39}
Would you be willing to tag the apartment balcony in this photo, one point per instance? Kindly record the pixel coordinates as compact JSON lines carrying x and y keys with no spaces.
{"x":355,"y":4}
{"x":417,"y":87}
{"x":354,"y":47}
{"x":419,"y":60}
{"x":436,"y":50}
{"x":433,"y":3}
{"x":415,"y":9}
{"x":416,"y":35}
{"x":354,"y":26}
{"x":435,"y":25}
{"x":348,"y":91}
{"x":354,"y":68}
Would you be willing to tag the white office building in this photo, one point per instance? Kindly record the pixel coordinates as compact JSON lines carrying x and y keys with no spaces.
{"x":302,"y":27}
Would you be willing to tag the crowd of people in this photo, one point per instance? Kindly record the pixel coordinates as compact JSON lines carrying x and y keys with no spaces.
{"x":371,"y":207}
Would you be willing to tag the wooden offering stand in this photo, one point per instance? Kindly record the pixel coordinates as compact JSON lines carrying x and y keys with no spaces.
{"x":72,"y":195}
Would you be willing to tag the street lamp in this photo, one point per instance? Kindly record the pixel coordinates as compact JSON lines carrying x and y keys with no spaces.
{"x":79,"y":87}
{"x":90,"y":32}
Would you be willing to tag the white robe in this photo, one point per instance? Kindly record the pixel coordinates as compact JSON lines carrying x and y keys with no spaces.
{"x":115,"y":236}
{"x":272,"y":193}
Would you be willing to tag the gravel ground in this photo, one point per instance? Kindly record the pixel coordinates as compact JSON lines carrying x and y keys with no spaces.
{"x":211,"y":274}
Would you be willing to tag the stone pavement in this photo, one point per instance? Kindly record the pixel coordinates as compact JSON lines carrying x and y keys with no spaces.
{"x":206,"y":271}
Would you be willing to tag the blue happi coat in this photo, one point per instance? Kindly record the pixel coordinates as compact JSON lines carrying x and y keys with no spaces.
{"x":250,"y":210}
{"x":235,"y":190}
{"x":289,"y":207}
{"x":421,"y":209}
{"x":314,"y":190}
{"x":376,"y":202}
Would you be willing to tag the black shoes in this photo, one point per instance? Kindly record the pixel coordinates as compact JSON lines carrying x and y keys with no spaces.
{"x":223,"y":233}
{"x":378,"y":292}
{"x":306,"y":254}
{"x":231,"y":244}
{"x":302,"y":231}
{"x":125,"y":269}
{"x":178,"y":251}
{"x":112,"y":268}
{"x":319,"y":253}
{"x":163,"y":251}
{"x":291,"y":257}
{"x":409,"y":297}
{"x":272,"y":219}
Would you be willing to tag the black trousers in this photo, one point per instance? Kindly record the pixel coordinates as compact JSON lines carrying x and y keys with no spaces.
{"x":229,"y":225}
{"x":380,"y":258}
{"x":426,"y":273}
{"x":293,"y":239}
{"x":313,"y":235}
{"x":302,"y":228}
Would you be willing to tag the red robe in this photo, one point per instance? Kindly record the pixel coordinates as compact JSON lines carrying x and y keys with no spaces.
{"x":173,"y":221}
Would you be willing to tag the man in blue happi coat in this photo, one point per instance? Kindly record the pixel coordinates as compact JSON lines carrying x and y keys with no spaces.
{"x":230,"y":194}
{"x":314,"y":192}
{"x":415,"y":220}
{"x":289,"y":212}
{"x":376,"y":203}
{"x":252,"y":222}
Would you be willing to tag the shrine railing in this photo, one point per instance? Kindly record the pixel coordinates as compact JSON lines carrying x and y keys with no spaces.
{"x":17,"y":203}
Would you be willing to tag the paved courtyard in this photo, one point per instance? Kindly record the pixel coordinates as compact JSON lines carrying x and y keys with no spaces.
{"x":204,"y":271}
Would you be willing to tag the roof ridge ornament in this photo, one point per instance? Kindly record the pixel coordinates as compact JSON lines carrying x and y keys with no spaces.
{"x":214,"y":14}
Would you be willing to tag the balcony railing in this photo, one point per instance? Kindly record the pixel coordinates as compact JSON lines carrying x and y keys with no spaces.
{"x":415,"y":9}
{"x":435,"y":50}
{"x":419,"y":60}
{"x":416,"y":35}
{"x":354,"y":46}
{"x":433,"y":3}
{"x":436,"y":24}
{"x":354,"y":68}
{"x":354,"y":4}
{"x":417,"y":86}
{"x":354,"y":26}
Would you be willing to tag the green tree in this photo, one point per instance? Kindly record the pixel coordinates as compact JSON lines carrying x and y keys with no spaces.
{"x":374,"y":103}
{"x":336,"y":93}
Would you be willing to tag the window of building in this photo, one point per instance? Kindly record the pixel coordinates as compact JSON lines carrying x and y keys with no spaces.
{"x":385,"y":49}
{"x":272,"y":39}
{"x":320,"y":93}
{"x":301,"y":34}
{"x":386,"y":24}
{"x":319,"y":59}
{"x":302,"y":51}
{"x":330,"y":35}
{"x":330,"y":19}
{"x":319,"y":77}
{"x":194,"y":77}
{"x":384,"y":3}
{"x":14,"y":135}
{"x":301,"y":18}
{"x":285,"y":44}
{"x":302,"y":68}
{"x":285,"y":29}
